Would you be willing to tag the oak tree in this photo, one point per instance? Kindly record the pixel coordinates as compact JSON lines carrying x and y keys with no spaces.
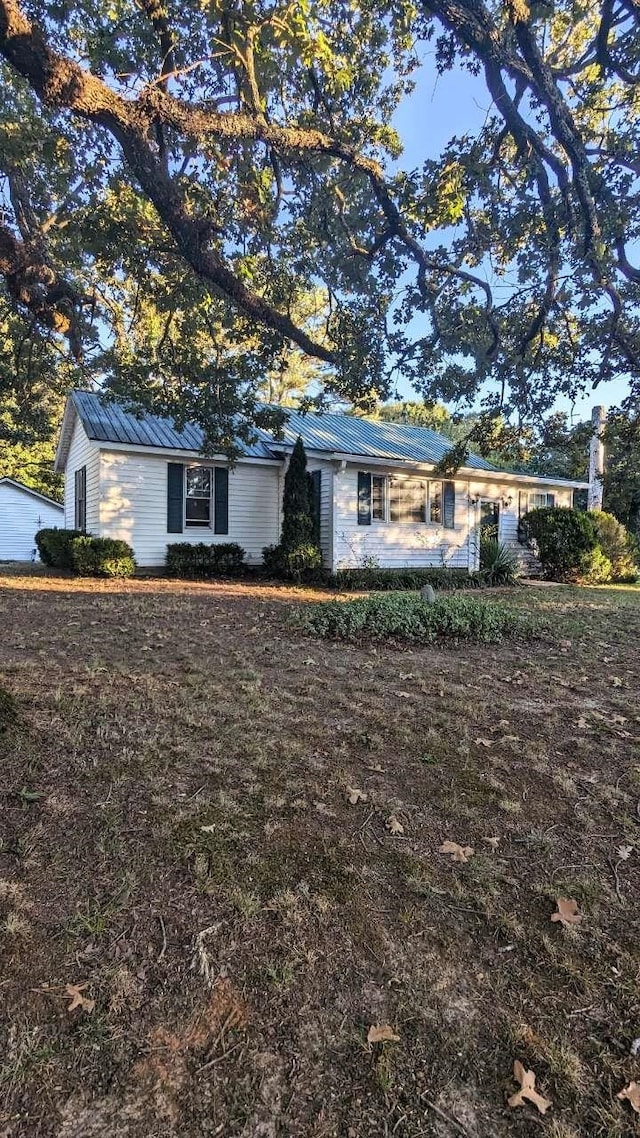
{"x":177,"y":178}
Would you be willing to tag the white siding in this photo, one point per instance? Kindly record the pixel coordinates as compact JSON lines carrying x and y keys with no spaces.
{"x":82,"y":452}
{"x":506,"y":495}
{"x":395,"y":545}
{"x":326,"y":497}
{"x":133,"y":506}
{"x":21,"y":516}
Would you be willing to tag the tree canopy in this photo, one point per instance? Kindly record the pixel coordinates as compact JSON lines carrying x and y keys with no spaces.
{"x":179,"y":178}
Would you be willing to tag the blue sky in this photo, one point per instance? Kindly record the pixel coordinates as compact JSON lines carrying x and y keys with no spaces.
{"x":457,"y":103}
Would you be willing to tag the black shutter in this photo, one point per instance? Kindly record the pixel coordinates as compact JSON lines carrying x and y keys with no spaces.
{"x":81,"y":499}
{"x":221,"y":500}
{"x":449,"y":505}
{"x":315,"y":482}
{"x":364,"y":498}
{"x":175,"y":497}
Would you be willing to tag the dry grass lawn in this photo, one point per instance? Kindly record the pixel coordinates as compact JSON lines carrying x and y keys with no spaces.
{"x":177,"y":843}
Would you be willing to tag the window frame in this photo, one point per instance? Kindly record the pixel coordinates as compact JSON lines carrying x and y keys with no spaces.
{"x":187,"y":522}
{"x":429,"y":500}
{"x":80,"y":499}
{"x":548,"y":505}
{"x":440,"y":483}
{"x":384,"y":479}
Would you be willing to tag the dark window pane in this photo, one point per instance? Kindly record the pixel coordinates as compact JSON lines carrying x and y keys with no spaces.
{"x":198,"y":511}
{"x":198,"y":481}
{"x":377,"y":498}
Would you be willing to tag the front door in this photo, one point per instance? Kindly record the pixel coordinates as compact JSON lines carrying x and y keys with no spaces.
{"x":489,"y":520}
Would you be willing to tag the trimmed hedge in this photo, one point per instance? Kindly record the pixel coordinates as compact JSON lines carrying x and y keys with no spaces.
{"x":102,"y":557}
{"x":304,"y":563}
{"x":225,"y":559}
{"x":407,"y":617}
{"x":55,"y":547}
{"x":373,"y":579}
{"x":86,"y":555}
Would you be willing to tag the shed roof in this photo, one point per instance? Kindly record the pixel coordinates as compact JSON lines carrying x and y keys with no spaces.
{"x":29,"y":490}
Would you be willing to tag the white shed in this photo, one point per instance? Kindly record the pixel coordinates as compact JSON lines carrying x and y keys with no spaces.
{"x":23,"y":512}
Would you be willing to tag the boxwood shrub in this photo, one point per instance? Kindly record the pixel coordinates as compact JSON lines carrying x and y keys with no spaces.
{"x":102,"y":557}
{"x":407,"y":617}
{"x":561,"y":538}
{"x":54,"y":546}
{"x":302,"y":563}
{"x":199,"y":560}
{"x":375,"y":579}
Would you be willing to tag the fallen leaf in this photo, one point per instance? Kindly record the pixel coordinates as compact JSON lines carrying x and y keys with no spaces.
{"x":493,"y":842}
{"x":484,"y":742}
{"x":77,"y":999}
{"x":382,"y":1033}
{"x":624,"y":852}
{"x":567,"y":912}
{"x":355,"y":796}
{"x":459,"y":853}
{"x":632,"y":1093}
{"x":527,"y":1090}
{"x":393,"y":824}
{"x":325,"y":810}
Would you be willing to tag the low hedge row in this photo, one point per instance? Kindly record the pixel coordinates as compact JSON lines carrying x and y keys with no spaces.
{"x":54,"y":547}
{"x":350,"y":580}
{"x":102,"y":557}
{"x":407,"y":617}
{"x":226,"y":559}
{"x":86,"y":555}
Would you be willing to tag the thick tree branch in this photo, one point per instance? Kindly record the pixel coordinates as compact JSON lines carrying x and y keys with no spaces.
{"x":36,"y":286}
{"x":61,"y":83}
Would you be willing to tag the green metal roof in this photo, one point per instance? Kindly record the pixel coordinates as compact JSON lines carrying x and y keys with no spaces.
{"x":345,"y":434}
{"x":107,"y":421}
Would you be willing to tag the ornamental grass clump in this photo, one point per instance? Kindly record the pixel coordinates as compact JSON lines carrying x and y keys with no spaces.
{"x":407,"y":617}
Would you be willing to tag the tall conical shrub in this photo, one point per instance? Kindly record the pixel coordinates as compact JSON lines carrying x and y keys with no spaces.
{"x":298,"y":554}
{"x":297,"y":520}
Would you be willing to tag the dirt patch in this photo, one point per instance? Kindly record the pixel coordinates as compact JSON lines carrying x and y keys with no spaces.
{"x":176,"y":834}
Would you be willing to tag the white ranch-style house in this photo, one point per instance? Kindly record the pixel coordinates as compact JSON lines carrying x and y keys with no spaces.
{"x":378,"y":497}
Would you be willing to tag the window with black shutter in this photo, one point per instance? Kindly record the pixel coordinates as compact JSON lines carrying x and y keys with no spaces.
{"x":364,"y":498}
{"x":81,"y":499}
{"x":448,"y":505}
{"x":197,"y":498}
